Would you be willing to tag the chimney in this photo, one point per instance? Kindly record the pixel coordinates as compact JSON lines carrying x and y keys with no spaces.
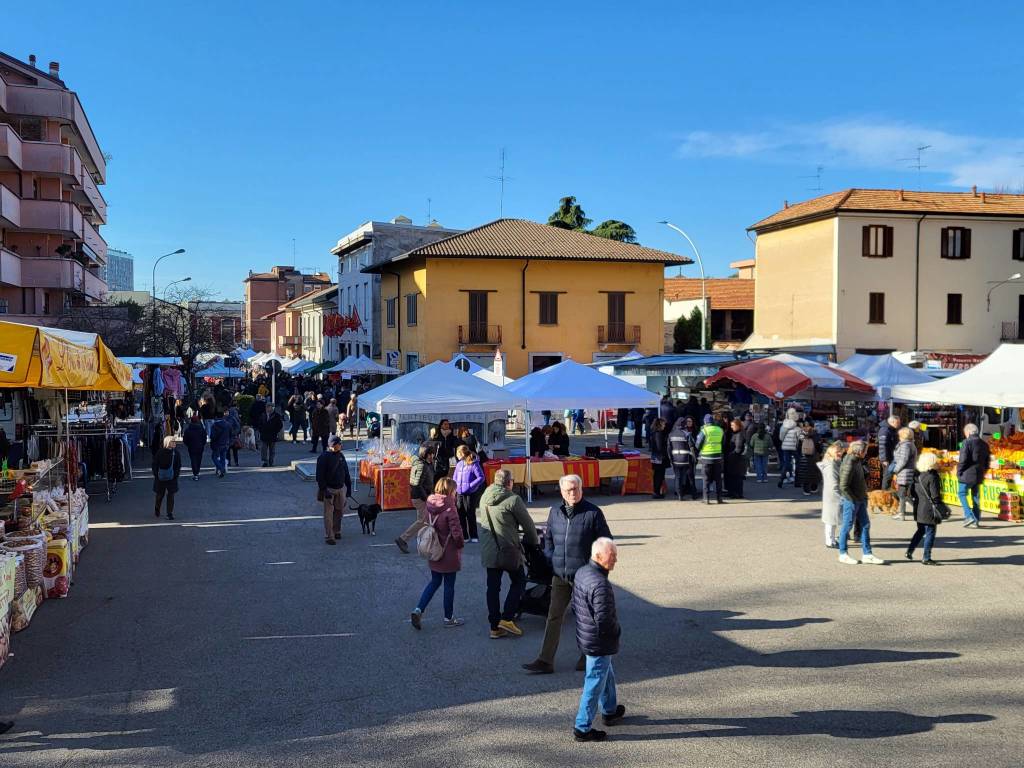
{"x":32,"y":60}
{"x":54,"y":69}
{"x":401,"y":220}
{"x":785,"y":204}
{"x":974,"y":190}
{"x":899,"y":195}
{"x":983,"y":198}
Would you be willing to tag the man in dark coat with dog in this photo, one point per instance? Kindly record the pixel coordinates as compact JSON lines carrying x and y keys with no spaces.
{"x":335,"y":485}
{"x":572,"y":528}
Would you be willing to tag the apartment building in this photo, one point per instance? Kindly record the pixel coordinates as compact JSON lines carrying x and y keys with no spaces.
{"x":536,"y":293}
{"x":119,"y":273}
{"x":51,"y":208}
{"x":265,"y":292}
{"x":374,"y":242}
{"x":877,"y":270}
{"x":226,"y":319}
{"x":314,"y":308}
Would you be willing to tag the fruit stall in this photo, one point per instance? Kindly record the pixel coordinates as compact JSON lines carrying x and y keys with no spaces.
{"x":1003,"y":487}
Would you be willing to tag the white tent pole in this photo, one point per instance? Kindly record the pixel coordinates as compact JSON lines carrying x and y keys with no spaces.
{"x":529,"y":474}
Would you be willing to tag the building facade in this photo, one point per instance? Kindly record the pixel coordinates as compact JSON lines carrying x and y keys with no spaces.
{"x":227,"y":321}
{"x":265,"y":292}
{"x":867,"y":270}
{"x":119,"y":273}
{"x":536,"y":293}
{"x":51,"y":208}
{"x":375,"y":242}
{"x":314,"y":308}
{"x":730,"y":306}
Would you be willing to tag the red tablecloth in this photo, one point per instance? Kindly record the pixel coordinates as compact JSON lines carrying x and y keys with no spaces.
{"x":640,"y":478}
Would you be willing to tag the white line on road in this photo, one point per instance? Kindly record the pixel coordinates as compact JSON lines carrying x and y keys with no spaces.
{"x":300,"y":637}
{"x":207,"y":523}
{"x":282,"y":562}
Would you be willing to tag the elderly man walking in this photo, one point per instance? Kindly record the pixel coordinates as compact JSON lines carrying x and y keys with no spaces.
{"x":597,"y":633}
{"x":572,"y":528}
{"x":853,"y":489}
{"x":334,"y":483}
{"x":501,"y":515}
{"x":970,"y":472}
{"x":887,"y":439}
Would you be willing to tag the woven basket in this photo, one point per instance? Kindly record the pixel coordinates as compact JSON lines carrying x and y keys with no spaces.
{"x":34,"y":552}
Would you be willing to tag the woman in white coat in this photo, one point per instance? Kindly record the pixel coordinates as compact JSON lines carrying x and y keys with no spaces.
{"x":831,"y":502}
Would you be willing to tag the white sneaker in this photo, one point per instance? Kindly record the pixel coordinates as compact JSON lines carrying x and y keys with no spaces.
{"x":872,"y":560}
{"x":844,"y":558}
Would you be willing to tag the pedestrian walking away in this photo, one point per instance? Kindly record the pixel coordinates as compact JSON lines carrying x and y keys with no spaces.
{"x":421,"y":485}
{"x":194,"y":438}
{"x":683,"y":453}
{"x":442,"y":516}
{"x":709,"y":448}
{"x":735,"y":465}
{"x":760,"y":445}
{"x":469,"y":485}
{"x":659,"y":456}
{"x":166,"y":470}
{"x":502,"y":516}
{"x":597,"y":634}
{"x":853,"y":488}
{"x":970,"y":472}
{"x":904,"y":459}
{"x":320,"y":424}
{"x":572,"y":528}
{"x":234,"y":422}
{"x":334,"y":486}
{"x":269,"y":428}
{"x":831,"y":501}
{"x":220,"y":439}
{"x":887,"y":437}
{"x":931,"y":509}
{"x":789,"y":434}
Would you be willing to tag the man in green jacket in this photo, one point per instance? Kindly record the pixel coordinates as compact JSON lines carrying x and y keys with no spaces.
{"x":709,"y":449}
{"x":501,"y":515}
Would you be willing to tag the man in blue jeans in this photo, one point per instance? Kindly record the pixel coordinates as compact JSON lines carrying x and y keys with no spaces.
{"x":853,"y":489}
{"x":970,"y":472}
{"x":597,"y":634}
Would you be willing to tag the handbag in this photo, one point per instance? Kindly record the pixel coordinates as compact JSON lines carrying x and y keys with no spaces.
{"x":940,"y":511}
{"x":509,"y":555}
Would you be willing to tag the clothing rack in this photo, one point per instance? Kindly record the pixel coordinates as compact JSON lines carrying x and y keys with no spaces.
{"x":88,"y":430}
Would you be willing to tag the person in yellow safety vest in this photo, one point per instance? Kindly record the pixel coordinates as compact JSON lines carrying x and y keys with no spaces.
{"x":709,"y":449}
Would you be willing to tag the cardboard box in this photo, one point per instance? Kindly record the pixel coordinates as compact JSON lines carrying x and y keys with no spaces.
{"x":57,"y":572}
{"x":25,"y":608}
{"x":8,"y":569}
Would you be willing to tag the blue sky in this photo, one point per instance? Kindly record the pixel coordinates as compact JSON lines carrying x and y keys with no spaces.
{"x":236,"y":127}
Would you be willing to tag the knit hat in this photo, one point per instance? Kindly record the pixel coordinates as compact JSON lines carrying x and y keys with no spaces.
{"x":334,"y":440}
{"x":708,"y":418}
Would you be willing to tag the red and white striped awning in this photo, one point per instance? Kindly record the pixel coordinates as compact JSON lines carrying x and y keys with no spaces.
{"x":784,"y":376}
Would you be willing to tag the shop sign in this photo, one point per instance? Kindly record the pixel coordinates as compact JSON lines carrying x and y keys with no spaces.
{"x":990,"y":490}
{"x":65,"y":364}
{"x":8,"y":362}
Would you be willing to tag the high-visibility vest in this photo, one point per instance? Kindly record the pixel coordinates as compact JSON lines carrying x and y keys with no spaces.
{"x":712,"y":446}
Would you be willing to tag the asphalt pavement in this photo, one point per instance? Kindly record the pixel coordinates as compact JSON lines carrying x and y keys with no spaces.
{"x":234,"y":636}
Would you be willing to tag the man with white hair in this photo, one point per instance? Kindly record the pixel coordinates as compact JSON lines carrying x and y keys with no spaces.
{"x":597,"y":634}
{"x":970,"y":472}
{"x":572,"y":528}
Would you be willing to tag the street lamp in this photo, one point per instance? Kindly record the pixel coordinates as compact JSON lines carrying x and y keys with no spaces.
{"x":1010,"y":279}
{"x":174,"y":282}
{"x":703,"y":286}
{"x":153,"y":287}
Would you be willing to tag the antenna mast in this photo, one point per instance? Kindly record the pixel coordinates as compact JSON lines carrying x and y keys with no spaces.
{"x":817,"y":176}
{"x":501,"y":178}
{"x":915,"y":162}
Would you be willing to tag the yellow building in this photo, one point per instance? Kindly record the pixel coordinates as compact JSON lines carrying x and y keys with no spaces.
{"x":880,"y":270}
{"x":537,"y":293}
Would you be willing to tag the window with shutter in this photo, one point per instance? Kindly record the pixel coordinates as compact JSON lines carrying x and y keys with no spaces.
{"x":956,"y":243}
{"x":876,"y":241}
{"x":390,"y":310}
{"x":1018,"y":245}
{"x":548,"y":308}
{"x":876,"y":308}
{"x":954,"y":308}
{"x":410,"y":309}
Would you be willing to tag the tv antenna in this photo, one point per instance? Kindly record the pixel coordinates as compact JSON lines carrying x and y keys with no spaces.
{"x":817,"y":177}
{"x":501,"y":178}
{"x":915,"y":162}
{"x":428,"y":210}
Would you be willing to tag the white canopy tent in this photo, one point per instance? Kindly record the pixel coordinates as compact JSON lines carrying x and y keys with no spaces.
{"x":883,"y":372}
{"x":298,"y":366}
{"x":994,"y":382}
{"x":492,"y":378}
{"x":572,"y":385}
{"x":345,"y":366}
{"x":438,"y":388}
{"x":374,"y":367}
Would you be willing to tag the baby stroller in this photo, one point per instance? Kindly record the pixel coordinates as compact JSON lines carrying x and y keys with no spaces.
{"x":537,"y":595}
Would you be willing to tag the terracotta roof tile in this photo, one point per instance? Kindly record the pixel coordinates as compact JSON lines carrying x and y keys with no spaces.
{"x":895,"y":201}
{"x":519,"y":238}
{"x":723,"y":292}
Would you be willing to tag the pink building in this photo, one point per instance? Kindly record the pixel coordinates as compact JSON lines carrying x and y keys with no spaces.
{"x":51,"y":207}
{"x":264,"y":293}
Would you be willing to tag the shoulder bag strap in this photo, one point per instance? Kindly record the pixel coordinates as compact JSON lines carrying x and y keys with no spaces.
{"x":490,"y":524}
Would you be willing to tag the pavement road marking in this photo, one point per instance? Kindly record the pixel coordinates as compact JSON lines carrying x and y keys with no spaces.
{"x":282,"y":562}
{"x":206,"y":523}
{"x":300,"y":637}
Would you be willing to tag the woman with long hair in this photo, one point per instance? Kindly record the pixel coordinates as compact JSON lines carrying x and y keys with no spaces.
{"x":442,"y":516}
{"x":659,"y":456}
{"x":831,"y":501}
{"x":469,"y":486}
{"x":166,"y":470}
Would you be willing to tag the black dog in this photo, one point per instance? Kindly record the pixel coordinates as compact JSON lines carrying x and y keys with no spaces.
{"x":368,"y":517}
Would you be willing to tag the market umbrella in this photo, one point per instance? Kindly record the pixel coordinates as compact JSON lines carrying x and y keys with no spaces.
{"x":784,"y":376}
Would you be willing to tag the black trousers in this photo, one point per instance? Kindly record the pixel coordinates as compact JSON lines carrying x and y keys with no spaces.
{"x":321,"y":439}
{"x":713,"y":474}
{"x":233,"y":453}
{"x":196,"y":459}
{"x":466,"y":504}
{"x":686,"y":481}
{"x":659,"y":477}
{"x":515,"y":591}
{"x":160,"y":496}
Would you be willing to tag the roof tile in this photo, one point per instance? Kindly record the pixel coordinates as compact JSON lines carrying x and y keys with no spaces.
{"x":722,"y":292}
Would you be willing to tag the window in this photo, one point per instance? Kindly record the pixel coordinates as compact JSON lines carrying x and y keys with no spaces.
{"x":1018,"y":245}
{"x":5,"y":306}
{"x":876,"y":241}
{"x":956,"y":243}
{"x":876,"y":308}
{"x":616,"y":318}
{"x":478,"y":317}
{"x":954,"y":308}
{"x":549,"y":309}
{"x":46,"y":302}
{"x":412,"y":360}
{"x":410,"y":309}
{"x":390,"y":306}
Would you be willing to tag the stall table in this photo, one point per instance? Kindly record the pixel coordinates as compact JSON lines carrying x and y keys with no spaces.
{"x":635,"y":471}
{"x":990,"y":491}
{"x":395,"y":481}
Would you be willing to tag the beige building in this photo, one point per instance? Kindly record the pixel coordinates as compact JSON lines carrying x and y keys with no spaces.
{"x":870,"y":270}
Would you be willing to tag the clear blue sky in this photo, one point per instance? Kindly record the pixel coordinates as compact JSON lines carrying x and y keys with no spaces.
{"x":238,"y":126}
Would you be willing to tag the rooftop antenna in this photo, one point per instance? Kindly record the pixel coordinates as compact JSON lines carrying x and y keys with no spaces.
{"x":915,"y":162}
{"x":428,"y":210}
{"x":817,"y":177}
{"x":501,"y":178}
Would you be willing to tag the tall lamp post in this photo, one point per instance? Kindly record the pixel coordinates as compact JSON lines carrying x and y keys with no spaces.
{"x":703,"y":286}
{"x":174,"y":282}
{"x":988,"y":299}
{"x":153,"y":286}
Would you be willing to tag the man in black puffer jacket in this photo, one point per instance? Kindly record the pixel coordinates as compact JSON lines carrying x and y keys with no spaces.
{"x":597,"y":634}
{"x":572,"y":528}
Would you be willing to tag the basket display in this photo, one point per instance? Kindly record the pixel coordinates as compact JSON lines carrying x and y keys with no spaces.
{"x":34,"y":551}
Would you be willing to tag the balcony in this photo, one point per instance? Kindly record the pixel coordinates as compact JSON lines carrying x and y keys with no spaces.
{"x":618,"y":333}
{"x":10,"y":148}
{"x":10,"y":268}
{"x":63,"y":160}
{"x":10,"y":209}
{"x":1012,"y":332}
{"x":57,"y":104}
{"x":61,"y":274}
{"x":479,"y":334}
{"x":289,"y":341}
{"x":95,"y":246}
{"x":3,"y":94}
{"x":56,"y":216}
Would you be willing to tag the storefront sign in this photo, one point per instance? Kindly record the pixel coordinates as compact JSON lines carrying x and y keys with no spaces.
{"x":65,"y":364}
{"x":8,"y":362}
{"x":990,"y":491}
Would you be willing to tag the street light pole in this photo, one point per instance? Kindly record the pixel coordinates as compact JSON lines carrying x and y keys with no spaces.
{"x":174,"y":282}
{"x":703,"y":286}
{"x":988,"y":298}
{"x":153,"y":288}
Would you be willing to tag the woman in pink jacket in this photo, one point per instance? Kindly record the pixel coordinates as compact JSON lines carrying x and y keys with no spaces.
{"x":441,"y":513}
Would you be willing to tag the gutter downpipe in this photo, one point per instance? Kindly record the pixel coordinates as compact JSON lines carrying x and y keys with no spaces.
{"x":917,"y":279}
{"x":526,"y":413}
{"x":525,"y":267}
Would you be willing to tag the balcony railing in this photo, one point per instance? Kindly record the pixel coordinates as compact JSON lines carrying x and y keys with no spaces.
{"x":55,"y":216}
{"x":96,"y":246}
{"x":480,"y":334}
{"x":11,"y":148}
{"x":289,"y":341}
{"x":1012,"y":332}
{"x":3,"y":94}
{"x":618,"y":333}
{"x":45,"y":272}
{"x":10,"y":208}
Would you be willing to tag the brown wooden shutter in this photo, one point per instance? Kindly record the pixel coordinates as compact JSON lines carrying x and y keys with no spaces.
{"x":865,"y":241}
{"x":965,"y":244}
{"x":887,"y":251}
{"x":1016,"y":255}
{"x":944,"y":253}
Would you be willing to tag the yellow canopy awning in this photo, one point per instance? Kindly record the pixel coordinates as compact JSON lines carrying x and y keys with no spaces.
{"x":37,"y":356}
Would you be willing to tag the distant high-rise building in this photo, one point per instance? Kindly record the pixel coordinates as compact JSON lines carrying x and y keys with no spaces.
{"x":119,"y":273}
